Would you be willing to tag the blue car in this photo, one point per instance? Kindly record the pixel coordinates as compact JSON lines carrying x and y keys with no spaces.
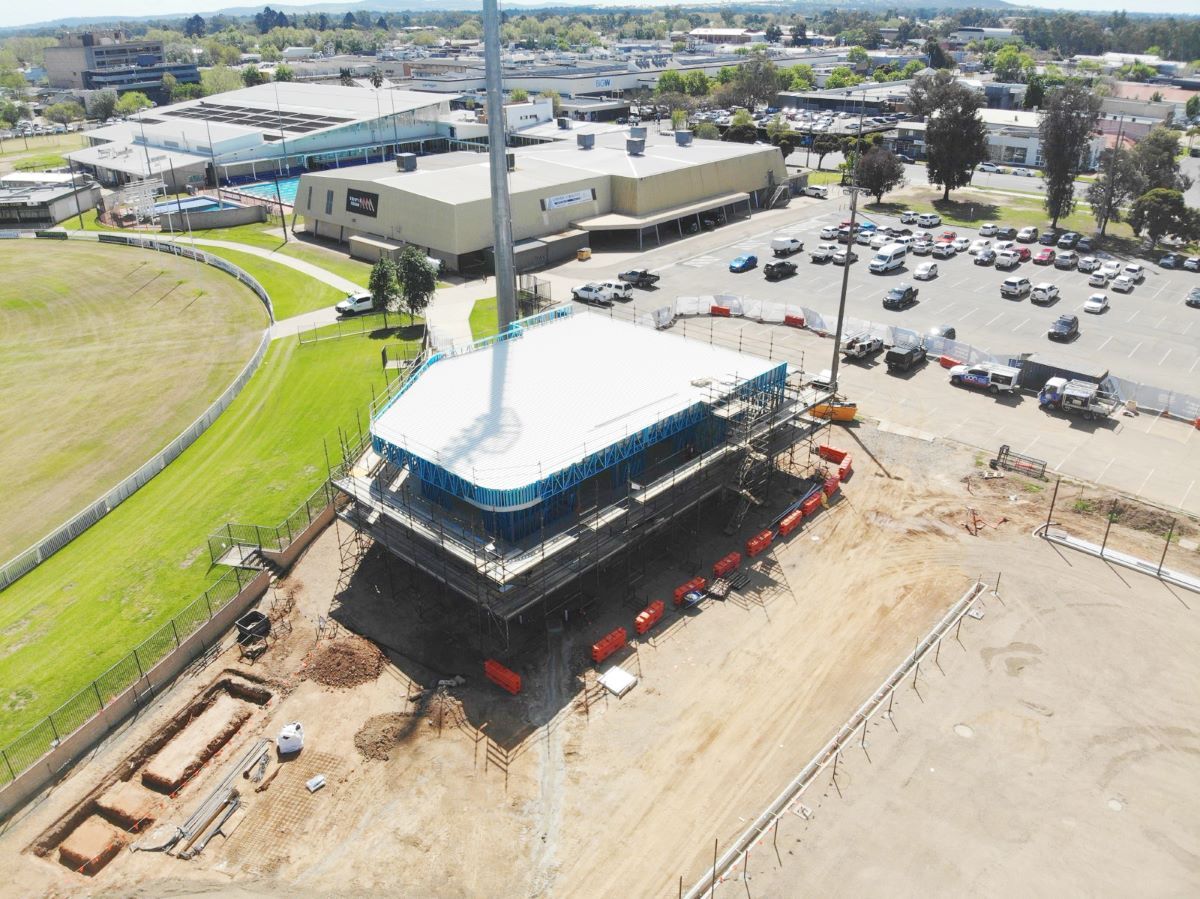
{"x":743,"y":263}
{"x":866,"y":226}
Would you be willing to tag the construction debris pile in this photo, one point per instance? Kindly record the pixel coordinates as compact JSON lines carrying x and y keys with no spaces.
{"x":345,"y":662}
{"x":381,"y":734}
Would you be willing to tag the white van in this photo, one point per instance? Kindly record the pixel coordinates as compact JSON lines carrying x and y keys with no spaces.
{"x":890,"y":256}
{"x":786,"y":246}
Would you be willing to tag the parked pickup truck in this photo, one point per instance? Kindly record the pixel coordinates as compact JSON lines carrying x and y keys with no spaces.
{"x":861,"y":346}
{"x":903,"y":358}
{"x":595,"y":294}
{"x":639,"y":277}
{"x":1077,"y":398}
{"x":986,"y":376}
{"x":823,"y":253}
{"x":356,"y":304}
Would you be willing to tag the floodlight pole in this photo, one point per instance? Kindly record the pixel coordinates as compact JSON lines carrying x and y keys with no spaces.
{"x":841,"y":318}
{"x":502,"y":251}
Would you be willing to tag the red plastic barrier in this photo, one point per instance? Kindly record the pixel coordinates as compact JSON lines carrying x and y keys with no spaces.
{"x":791,"y":522}
{"x":696,"y":583}
{"x":845,"y":468}
{"x":947,"y":362}
{"x":608,"y":644}
{"x":649,"y":616}
{"x":810,"y":505}
{"x":502,"y":677}
{"x":722,"y":311}
{"x":833,"y":455}
{"x":759,"y":543}
{"x":727,"y":564}
{"x":831,"y":486}
{"x":794,"y":321}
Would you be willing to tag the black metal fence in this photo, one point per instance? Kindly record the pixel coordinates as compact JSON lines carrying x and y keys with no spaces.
{"x":277,"y":538}
{"x":23,"y":752}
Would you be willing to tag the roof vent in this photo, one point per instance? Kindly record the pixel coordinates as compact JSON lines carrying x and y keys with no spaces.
{"x":406,"y":162}
{"x":638,"y":131}
{"x":683,"y":138}
{"x":564,"y":123}
{"x":635,"y":146}
{"x":585,"y":141}
{"x":512,"y":161}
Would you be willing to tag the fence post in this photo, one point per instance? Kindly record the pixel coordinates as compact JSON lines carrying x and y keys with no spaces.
{"x":99,"y":701}
{"x":209,"y":604}
{"x":53,"y":729}
{"x":237,"y":576}
{"x":8,"y":765}
{"x":1107,"y":526}
{"x":175,"y":632}
{"x":1053,"y":499}
{"x":137,"y":661}
{"x":1166,"y":546}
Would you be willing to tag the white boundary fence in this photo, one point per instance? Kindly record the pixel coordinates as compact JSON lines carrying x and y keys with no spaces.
{"x":830,"y":753}
{"x":31,"y":558}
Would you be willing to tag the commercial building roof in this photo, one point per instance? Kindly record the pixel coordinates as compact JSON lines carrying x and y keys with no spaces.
{"x":514,"y":413}
{"x":138,"y":159}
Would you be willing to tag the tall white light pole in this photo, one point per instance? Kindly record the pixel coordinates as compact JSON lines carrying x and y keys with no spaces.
{"x":506,"y":278}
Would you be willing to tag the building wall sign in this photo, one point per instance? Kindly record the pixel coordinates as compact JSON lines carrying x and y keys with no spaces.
{"x":362,"y":202}
{"x":549,"y":204}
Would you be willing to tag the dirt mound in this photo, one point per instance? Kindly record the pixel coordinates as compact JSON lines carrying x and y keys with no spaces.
{"x":381,"y":734}
{"x":346,"y":662}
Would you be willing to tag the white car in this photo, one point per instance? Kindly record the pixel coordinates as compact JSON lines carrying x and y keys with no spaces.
{"x":866,"y":238}
{"x":909,"y":216}
{"x":1007,"y":259}
{"x":978,"y":246}
{"x":1112,"y":268}
{"x":924,"y":235}
{"x":1001,"y":245}
{"x":1096,"y":303}
{"x":829,"y":232}
{"x":926,"y":271}
{"x":1088,"y":264}
{"x":1028,"y":234}
{"x":593,"y":293}
{"x":960,"y":244}
{"x":1098,"y":279}
{"x":820,"y":191}
{"x":879,"y":240}
{"x":990,"y":167}
{"x":922,"y":247}
{"x":929,"y":219}
{"x":1044,"y":293}
{"x":1122,"y":284}
{"x":1134,"y":272}
{"x":988,"y":230}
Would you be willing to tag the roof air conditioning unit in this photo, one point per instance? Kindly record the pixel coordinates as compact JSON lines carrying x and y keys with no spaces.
{"x":638,"y":131}
{"x":585,"y":141}
{"x":564,"y":123}
{"x":512,"y":161}
{"x":406,"y":162}
{"x":683,"y":138}
{"x":635,"y":145}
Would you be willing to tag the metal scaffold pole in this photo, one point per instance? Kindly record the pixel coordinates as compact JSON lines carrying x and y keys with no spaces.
{"x":506,"y":290}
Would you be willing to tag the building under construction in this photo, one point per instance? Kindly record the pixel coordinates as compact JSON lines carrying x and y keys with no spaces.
{"x":510,"y":469}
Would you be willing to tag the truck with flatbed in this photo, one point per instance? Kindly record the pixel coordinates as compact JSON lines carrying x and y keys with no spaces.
{"x":1077,"y":398}
{"x":639,"y":277}
{"x":860,"y":346}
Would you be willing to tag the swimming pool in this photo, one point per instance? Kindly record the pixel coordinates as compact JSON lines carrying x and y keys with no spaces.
{"x":191,"y":204}
{"x":266,"y":189}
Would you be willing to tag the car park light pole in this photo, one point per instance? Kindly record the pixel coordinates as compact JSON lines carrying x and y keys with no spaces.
{"x":853,"y":190}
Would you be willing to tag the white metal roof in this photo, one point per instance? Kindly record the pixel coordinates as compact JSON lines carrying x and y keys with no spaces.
{"x":515,"y":412}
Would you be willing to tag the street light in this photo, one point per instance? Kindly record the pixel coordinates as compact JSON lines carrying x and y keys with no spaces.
{"x":853,"y":190}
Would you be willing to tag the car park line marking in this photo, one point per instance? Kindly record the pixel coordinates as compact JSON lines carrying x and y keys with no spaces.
{"x":1164,"y":358}
{"x":1183,"y":502}
{"x":1194,"y":364}
{"x":1068,"y":456}
{"x":1160,"y":321}
{"x":1161,"y":287}
{"x":1103,"y":345}
{"x":1135,"y":349}
{"x":1023,"y":323}
{"x":993,"y":318}
{"x":1132,"y":317}
{"x":1144,"y":483}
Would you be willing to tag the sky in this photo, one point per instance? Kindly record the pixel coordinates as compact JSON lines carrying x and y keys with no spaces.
{"x":13,"y":13}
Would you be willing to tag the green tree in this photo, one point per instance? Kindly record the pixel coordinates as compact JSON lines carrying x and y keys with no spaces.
{"x":756,"y":80}
{"x":742,"y":129}
{"x":697,"y":84}
{"x":955,"y":137}
{"x":219,"y":79}
{"x":345,"y":77}
{"x":924,"y":94}
{"x":252,"y":76}
{"x":285,"y":73}
{"x":132,"y":102}
{"x":679,"y":119}
{"x":103,"y":105}
{"x":1160,"y":213}
{"x":1157,"y":157}
{"x":857,"y":56}
{"x":555,"y":97}
{"x":1193,"y":106}
{"x":1120,"y":181}
{"x":878,"y":171}
{"x":840,"y":77}
{"x":911,"y":68}
{"x":384,"y":286}
{"x":823,"y":144}
{"x":782,"y":136}
{"x":707,"y":131}
{"x":671,"y":82}
{"x":418,"y":280}
{"x":1035,"y":93}
{"x":1067,"y":124}
{"x":1010,"y":64}
{"x":63,"y":113}
{"x":802,"y":77}
{"x":518,"y":95}
{"x":938,"y":58}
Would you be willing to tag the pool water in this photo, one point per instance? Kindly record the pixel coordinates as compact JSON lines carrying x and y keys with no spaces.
{"x":193,"y":204}
{"x":266,"y":189}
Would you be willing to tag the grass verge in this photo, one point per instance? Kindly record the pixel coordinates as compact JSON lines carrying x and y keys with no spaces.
{"x":485,"y":320}
{"x":292,"y":292}
{"x":70,"y":619}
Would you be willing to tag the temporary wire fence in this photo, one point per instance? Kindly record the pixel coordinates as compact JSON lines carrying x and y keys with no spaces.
{"x":29,"y":559}
{"x":25,"y":751}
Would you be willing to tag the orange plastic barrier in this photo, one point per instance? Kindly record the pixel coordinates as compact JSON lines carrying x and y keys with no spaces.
{"x":727,"y":564}
{"x":696,"y":583}
{"x":947,"y":362}
{"x":608,"y":644}
{"x":759,"y":543}
{"x":831,"y":486}
{"x":794,"y":321}
{"x":502,"y":677}
{"x":649,"y":616}
{"x":810,"y":505}
{"x":791,"y":522}
{"x":719,"y":310}
{"x":845,"y":467}
{"x":833,"y":455}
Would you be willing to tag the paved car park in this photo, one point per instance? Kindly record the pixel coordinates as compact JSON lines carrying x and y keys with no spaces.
{"x":1148,"y":335}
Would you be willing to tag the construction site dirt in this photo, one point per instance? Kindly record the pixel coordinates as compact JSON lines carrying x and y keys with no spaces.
{"x":435,"y":786}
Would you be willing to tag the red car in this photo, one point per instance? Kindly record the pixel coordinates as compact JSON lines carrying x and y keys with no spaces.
{"x":1022,"y":253}
{"x":1044,"y":257}
{"x":948,"y":235}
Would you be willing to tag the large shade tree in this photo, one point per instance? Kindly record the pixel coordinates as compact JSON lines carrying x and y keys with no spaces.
{"x":1067,"y":125}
